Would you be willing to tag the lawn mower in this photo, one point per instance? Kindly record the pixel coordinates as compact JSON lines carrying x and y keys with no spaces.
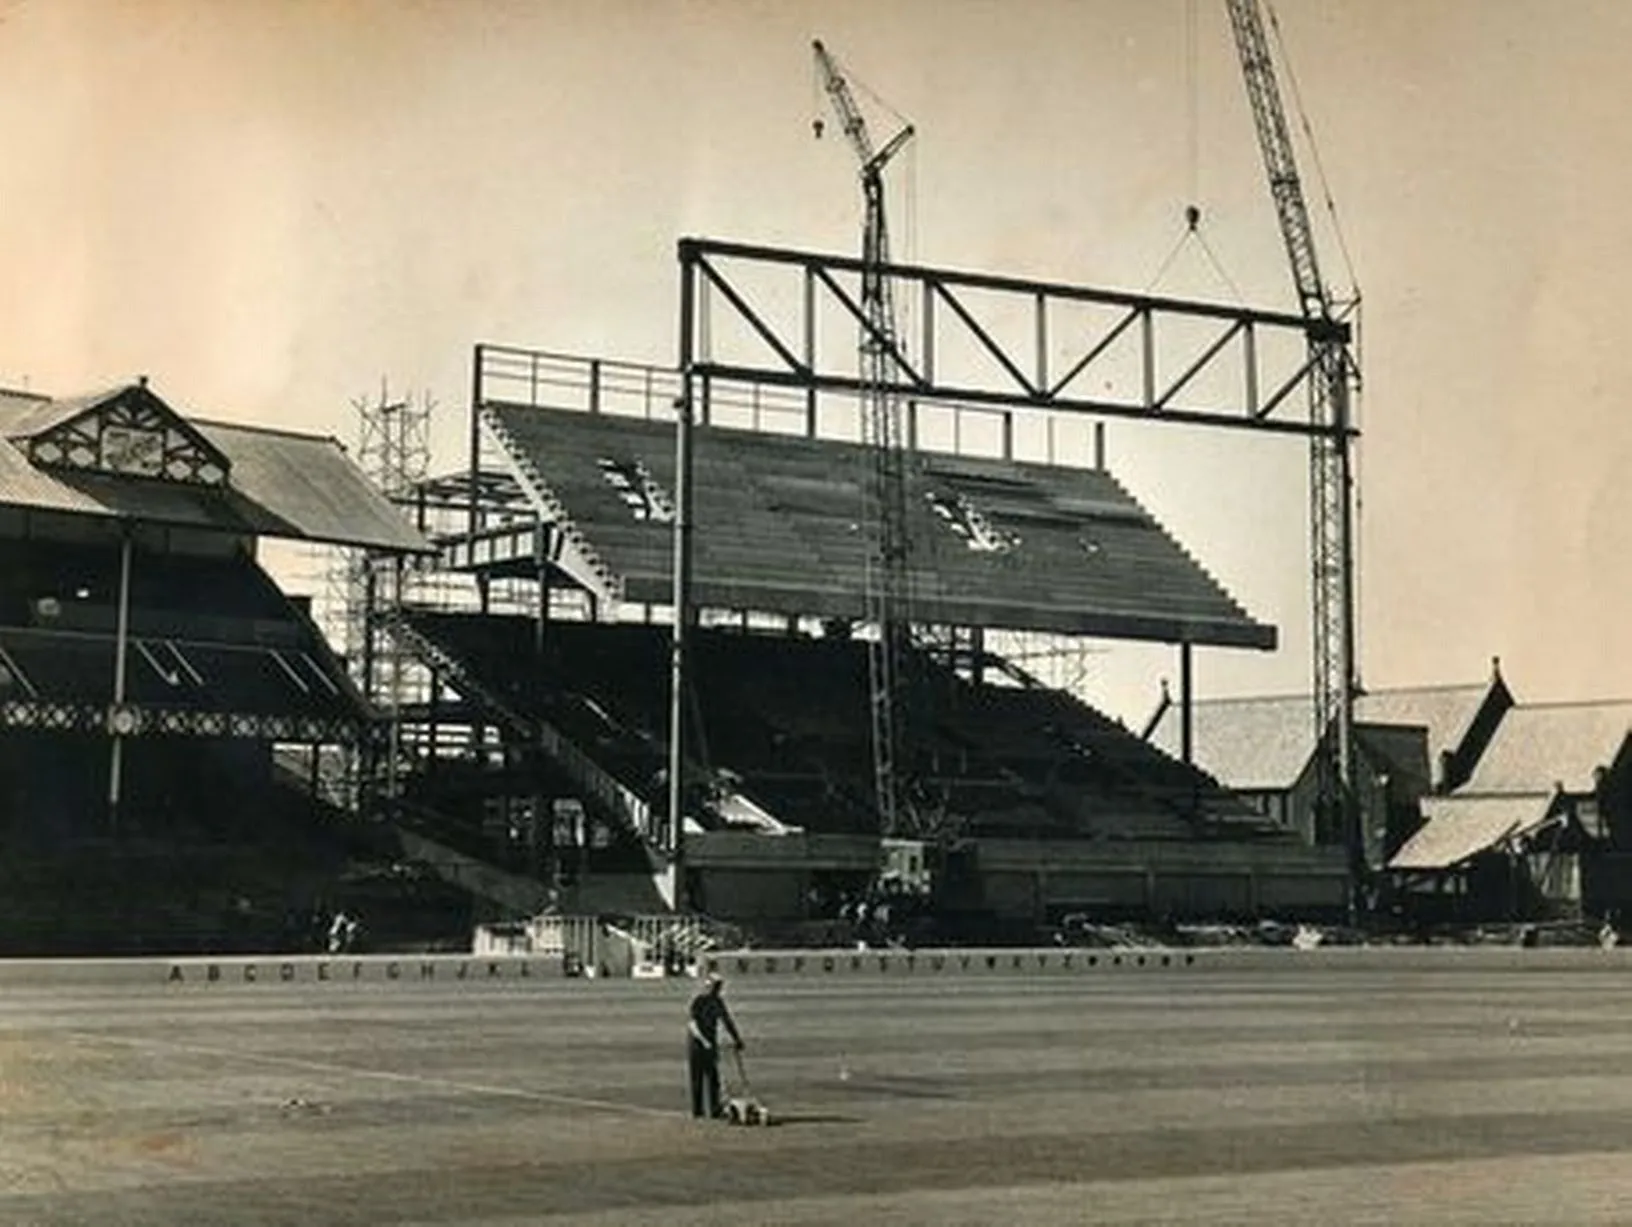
{"x":743,"y":1108}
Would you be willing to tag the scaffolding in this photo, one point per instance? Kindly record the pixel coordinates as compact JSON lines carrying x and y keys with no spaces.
{"x":393,"y":450}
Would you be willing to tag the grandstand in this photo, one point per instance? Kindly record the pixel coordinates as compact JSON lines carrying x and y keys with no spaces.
{"x":543,"y":737}
{"x":158,"y":690}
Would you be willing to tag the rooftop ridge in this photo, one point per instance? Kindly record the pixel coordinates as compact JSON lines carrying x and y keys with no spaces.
{"x":252,"y":428}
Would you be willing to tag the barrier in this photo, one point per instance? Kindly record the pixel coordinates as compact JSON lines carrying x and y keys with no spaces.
{"x":273,"y":971}
{"x":408,"y":972}
{"x":1055,"y":961}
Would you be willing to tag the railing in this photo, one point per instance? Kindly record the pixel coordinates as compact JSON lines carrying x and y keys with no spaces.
{"x":545,"y":379}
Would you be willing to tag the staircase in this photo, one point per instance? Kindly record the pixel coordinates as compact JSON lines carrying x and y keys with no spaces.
{"x":595,"y":783}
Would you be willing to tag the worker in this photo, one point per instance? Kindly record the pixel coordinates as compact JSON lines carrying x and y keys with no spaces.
{"x":706,"y":1013}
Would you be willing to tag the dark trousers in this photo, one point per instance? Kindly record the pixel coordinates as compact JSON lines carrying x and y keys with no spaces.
{"x":703,"y":1066}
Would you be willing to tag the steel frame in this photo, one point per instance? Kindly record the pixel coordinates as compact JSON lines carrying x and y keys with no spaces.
{"x":1023,"y":380}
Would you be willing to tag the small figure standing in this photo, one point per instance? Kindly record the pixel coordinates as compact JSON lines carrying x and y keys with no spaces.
{"x":705,"y":1014}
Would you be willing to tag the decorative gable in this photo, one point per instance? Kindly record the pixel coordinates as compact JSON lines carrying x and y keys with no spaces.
{"x":131,"y":433}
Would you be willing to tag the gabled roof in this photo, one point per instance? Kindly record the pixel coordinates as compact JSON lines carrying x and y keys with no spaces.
{"x":1539,"y":746}
{"x":26,"y":414}
{"x":1248,"y":744}
{"x":1459,"y":828}
{"x":1263,"y":744}
{"x":276,"y":483}
{"x":781,"y":528}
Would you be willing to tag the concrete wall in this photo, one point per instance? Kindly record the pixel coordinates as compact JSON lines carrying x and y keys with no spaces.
{"x":1026,"y":880}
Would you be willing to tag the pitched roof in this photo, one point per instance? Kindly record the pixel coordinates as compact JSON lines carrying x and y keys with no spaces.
{"x":1447,"y":712}
{"x":281,"y":484}
{"x":1248,"y":744}
{"x":25,"y":414}
{"x":305,"y":486}
{"x":779,"y":518}
{"x":1461,"y":827}
{"x":1540,"y":745}
{"x":1262,"y":744}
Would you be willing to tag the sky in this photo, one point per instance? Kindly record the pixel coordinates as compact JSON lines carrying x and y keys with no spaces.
{"x":270,"y":206}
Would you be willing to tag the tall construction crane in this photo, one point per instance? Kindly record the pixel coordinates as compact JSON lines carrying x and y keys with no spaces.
{"x":1333,"y":373}
{"x":888,"y":571}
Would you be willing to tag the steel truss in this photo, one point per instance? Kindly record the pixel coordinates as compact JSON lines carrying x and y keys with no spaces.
{"x":715,"y":294}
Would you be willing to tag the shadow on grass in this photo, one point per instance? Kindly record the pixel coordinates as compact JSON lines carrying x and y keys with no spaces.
{"x":812,"y":1118}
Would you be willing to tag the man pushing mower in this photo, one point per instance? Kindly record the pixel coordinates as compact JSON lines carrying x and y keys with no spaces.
{"x":704,"y":1016}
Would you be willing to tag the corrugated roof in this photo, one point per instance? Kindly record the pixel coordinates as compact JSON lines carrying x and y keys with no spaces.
{"x":1447,"y":712}
{"x":23,"y":416}
{"x":1263,"y":743}
{"x":1461,"y":827}
{"x":1540,"y":745}
{"x":301,"y":487}
{"x":780,"y":528}
{"x":1251,"y":745}
{"x":305,"y":486}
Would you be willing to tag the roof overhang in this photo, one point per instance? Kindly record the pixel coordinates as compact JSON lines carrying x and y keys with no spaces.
{"x":59,"y":458}
{"x":1460,"y":828}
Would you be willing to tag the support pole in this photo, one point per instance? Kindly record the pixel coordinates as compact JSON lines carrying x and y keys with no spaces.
{"x":680,"y":663}
{"x":475,"y":438}
{"x":369,"y":751}
{"x":394,"y":761}
{"x":121,"y":652}
{"x":1186,"y":705}
{"x":541,"y":571}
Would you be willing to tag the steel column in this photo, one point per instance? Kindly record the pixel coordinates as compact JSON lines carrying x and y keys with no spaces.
{"x":121,"y":649}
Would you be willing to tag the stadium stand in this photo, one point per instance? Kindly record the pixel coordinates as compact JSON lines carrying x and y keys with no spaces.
{"x":143,"y":809}
{"x":1011,"y":544}
{"x":779,"y":714}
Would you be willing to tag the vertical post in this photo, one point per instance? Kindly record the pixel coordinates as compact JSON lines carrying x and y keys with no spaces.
{"x":433,"y":719}
{"x":680,"y":664}
{"x":368,"y":752}
{"x":594,"y":385}
{"x":1008,"y":435}
{"x":541,"y":571}
{"x":394,"y":761}
{"x":926,"y":359}
{"x":810,"y":351}
{"x":1249,"y":360}
{"x":1186,"y":704}
{"x":1042,"y":341}
{"x":1147,"y":341}
{"x":475,"y":437}
{"x":1348,"y":776}
{"x":121,"y":651}
{"x":1099,"y":447}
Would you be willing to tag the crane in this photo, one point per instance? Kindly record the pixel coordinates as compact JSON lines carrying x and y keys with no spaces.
{"x":889,"y":548}
{"x":1333,"y":372}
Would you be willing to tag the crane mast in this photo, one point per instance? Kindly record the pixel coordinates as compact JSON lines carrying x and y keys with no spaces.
{"x":889,"y":546}
{"x":1332,"y":370}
